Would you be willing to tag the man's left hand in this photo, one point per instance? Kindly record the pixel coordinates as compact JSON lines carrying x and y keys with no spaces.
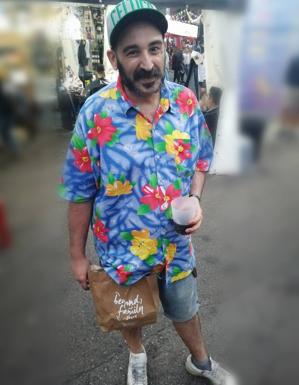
{"x":195,"y":222}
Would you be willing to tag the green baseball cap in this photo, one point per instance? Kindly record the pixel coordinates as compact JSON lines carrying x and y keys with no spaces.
{"x":128,"y":11}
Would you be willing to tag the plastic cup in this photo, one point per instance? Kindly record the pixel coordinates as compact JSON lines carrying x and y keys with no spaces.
{"x":183,"y":210}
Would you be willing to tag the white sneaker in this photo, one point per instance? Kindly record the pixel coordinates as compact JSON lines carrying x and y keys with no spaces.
{"x":137,"y":369}
{"x":217,"y":375}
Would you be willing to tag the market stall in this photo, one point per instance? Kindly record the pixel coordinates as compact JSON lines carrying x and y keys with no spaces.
{"x":179,"y":33}
{"x":79,"y":53}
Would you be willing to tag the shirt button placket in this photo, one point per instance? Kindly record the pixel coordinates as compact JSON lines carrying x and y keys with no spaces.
{"x":157,"y":159}
{"x":160,"y":181}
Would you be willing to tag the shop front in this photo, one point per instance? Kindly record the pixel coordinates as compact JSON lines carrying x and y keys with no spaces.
{"x":59,"y":46}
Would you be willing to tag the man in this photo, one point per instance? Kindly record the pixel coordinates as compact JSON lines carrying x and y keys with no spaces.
{"x":178,"y":66}
{"x":7,"y":119}
{"x":212,"y":113}
{"x":99,"y":81}
{"x":82,"y":60}
{"x":137,"y":145}
{"x":202,"y":77}
{"x":193,"y":68}
{"x":290,"y":108}
{"x":187,"y":57}
{"x":166,"y":70}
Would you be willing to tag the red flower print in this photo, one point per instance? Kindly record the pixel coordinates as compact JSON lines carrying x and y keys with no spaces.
{"x":202,"y":165}
{"x":100,"y":230}
{"x":102,"y":131}
{"x":158,"y":114}
{"x":170,"y":194}
{"x":122,"y":274}
{"x":186,"y":101}
{"x":182,"y":149}
{"x":153,"y":197}
{"x":82,"y":160}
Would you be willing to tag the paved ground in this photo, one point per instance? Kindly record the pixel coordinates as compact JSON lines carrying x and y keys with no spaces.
{"x":249,"y":281}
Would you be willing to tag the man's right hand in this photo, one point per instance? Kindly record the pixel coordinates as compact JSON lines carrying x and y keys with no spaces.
{"x":80,"y":269}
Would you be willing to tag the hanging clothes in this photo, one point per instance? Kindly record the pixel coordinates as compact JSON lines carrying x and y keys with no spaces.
{"x":82,"y":58}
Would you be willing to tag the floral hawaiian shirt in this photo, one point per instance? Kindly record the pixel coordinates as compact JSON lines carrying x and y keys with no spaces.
{"x":131,"y":169}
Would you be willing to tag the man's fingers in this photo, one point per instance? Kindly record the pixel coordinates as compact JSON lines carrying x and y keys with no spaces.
{"x":196,"y":219}
{"x":194,"y":226}
{"x":84,"y":286}
{"x":84,"y":283}
{"x":194,"y":222}
{"x":80,"y":270}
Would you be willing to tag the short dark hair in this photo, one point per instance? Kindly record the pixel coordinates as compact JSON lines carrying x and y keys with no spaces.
{"x":99,"y":67}
{"x":215,"y":94}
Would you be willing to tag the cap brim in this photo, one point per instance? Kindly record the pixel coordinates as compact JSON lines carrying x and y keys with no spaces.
{"x":151,"y":15}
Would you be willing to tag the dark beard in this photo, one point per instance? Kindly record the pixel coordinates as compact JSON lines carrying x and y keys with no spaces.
{"x":137,"y":75}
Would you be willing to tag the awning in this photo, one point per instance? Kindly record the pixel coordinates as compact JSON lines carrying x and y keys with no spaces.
{"x":181,"y":29}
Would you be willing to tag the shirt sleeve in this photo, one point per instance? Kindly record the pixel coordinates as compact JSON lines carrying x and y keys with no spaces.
{"x":78,"y":183}
{"x":204,"y":144}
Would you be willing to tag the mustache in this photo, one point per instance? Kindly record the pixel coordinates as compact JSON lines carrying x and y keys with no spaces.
{"x":143,"y":74}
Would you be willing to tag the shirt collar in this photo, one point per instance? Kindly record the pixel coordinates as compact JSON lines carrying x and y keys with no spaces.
{"x":126,"y":102}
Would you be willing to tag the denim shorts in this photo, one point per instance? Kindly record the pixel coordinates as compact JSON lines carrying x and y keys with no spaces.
{"x":179,"y":299}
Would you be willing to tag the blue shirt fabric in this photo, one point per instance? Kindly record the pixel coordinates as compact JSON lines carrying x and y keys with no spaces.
{"x":131,"y":169}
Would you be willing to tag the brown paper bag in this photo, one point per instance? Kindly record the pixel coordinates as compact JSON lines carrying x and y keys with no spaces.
{"x":119,"y":307}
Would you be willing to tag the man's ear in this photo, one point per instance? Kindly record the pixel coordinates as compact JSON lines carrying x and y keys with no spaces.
{"x":112,"y":58}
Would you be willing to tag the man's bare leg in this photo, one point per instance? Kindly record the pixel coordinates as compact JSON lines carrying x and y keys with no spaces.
{"x":190,"y":333}
{"x":133,"y":339}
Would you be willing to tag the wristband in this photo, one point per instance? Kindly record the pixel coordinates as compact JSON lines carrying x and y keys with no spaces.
{"x":196,"y":196}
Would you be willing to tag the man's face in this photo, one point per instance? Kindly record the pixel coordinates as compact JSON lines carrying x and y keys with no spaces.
{"x":140,"y":57}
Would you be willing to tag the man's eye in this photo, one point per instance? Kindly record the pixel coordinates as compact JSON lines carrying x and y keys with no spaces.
{"x":155,"y":49}
{"x":132,"y":53}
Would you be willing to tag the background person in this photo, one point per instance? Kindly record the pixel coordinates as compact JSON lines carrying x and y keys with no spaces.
{"x":167,"y":68}
{"x":178,"y":66}
{"x":202,"y":76}
{"x":193,"y":68}
{"x":82,"y":60}
{"x":187,"y":57}
{"x":212,"y":113}
{"x":7,"y":121}
{"x":99,"y":81}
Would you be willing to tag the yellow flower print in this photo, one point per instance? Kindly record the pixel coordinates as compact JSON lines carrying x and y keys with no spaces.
{"x":143,"y":128}
{"x":112,"y":93}
{"x":118,"y":188}
{"x":170,"y":253}
{"x":164,"y":103}
{"x":142,"y":245}
{"x":181,"y":275}
{"x":171,"y":146}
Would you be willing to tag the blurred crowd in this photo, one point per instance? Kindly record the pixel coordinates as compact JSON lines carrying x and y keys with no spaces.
{"x":18,"y":105}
